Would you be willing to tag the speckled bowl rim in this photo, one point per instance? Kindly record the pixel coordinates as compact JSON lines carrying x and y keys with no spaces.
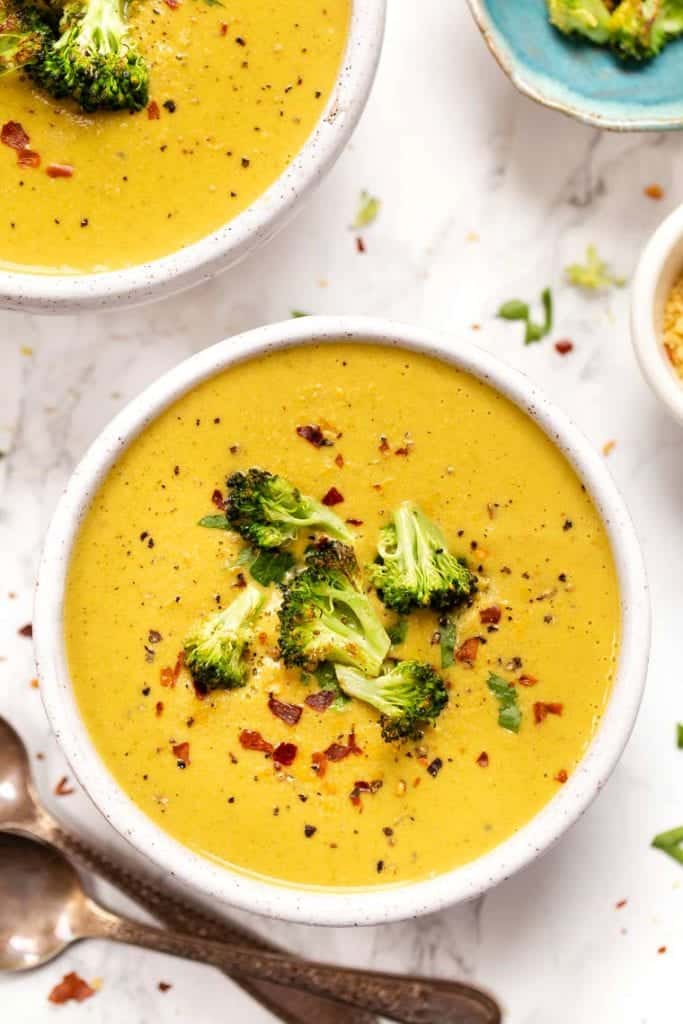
{"x":201,"y":261}
{"x":317,"y":905}
{"x":597,"y":119}
{"x":656,"y":264}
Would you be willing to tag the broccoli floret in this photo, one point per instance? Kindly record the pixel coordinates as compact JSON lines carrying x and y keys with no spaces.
{"x":24,"y":36}
{"x":409,"y":696}
{"x":414,"y":568}
{"x":325,"y":616}
{"x":641,"y":28}
{"x":95,"y":61}
{"x":590,"y":18}
{"x":215,"y":647}
{"x":268,"y":511}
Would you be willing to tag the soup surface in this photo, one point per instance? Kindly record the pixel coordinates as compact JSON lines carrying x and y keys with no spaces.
{"x":238,"y":87}
{"x":403,"y":426}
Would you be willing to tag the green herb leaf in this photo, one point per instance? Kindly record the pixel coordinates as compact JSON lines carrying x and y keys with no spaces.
{"x":514,"y":309}
{"x":368,"y":208}
{"x":214,"y":3}
{"x":534,"y":332}
{"x":327,"y":680}
{"x":679,"y":735}
{"x":593,"y":275}
{"x":271,"y":566}
{"x":218,"y":522}
{"x":671,"y":843}
{"x":296,"y":314}
{"x":447,"y":643}
{"x":509,"y":714}
{"x":398,"y":630}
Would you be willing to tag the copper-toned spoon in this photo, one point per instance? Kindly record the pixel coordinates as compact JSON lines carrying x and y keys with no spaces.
{"x":44,"y":909}
{"x":21,"y":811}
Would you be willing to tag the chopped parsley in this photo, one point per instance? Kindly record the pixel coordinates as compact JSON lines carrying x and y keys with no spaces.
{"x":368,"y":209}
{"x":679,"y":735}
{"x":296,"y":314}
{"x":447,"y":643}
{"x":593,"y":275}
{"x":271,"y":566}
{"x":509,"y":714}
{"x":671,"y":843}
{"x":515,"y":309}
{"x":217,"y":522}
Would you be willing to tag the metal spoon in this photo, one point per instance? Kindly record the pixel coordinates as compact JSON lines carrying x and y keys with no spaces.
{"x":21,"y":811}
{"x":44,"y":909}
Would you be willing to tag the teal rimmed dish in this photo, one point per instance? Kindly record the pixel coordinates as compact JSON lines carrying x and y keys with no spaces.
{"x":574,"y":76}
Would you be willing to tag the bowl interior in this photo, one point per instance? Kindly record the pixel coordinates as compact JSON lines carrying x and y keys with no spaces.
{"x":575,"y":76}
{"x":348,"y":906}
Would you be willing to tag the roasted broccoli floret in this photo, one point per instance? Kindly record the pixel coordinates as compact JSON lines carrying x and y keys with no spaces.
{"x":95,"y":61}
{"x":590,"y":18}
{"x":268,"y":511}
{"x":409,"y":696}
{"x":325,"y":616}
{"x":24,"y":36}
{"x":641,"y":28}
{"x":414,"y":568}
{"x":215,"y":647}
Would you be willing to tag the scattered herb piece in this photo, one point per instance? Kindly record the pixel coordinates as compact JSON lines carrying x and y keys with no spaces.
{"x":447,"y":639}
{"x":368,"y":209}
{"x":593,"y":275}
{"x":509,"y":714}
{"x":515,"y":309}
{"x":670,"y":842}
{"x":679,"y":735}
{"x":218,"y":522}
{"x":297,"y":313}
{"x":271,"y":566}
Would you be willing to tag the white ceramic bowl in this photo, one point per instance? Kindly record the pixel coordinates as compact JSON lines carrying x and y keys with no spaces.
{"x":52,"y":293}
{"x":311,"y":905}
{"x":659,"y":266}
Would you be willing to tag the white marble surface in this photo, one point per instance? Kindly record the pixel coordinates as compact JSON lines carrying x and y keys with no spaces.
{"x":485,"y":197}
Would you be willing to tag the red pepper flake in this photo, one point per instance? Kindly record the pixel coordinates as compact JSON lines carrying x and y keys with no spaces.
{"x":319,"y":763}
{"x":164,"y":986}
{"x":383,"y":444}
{"x":182,"y":752}
{"x":169,"y":676}
{"x":467,"y":652}
{"x":339,"y":461}
{"x":564,"y":346}
{"x":360,"y":244}
{"x":153,"y":112}
{"x":670,"y":353}
{"x":224,"y":28}
{"x":320,"y":701}
{"x":59,"y":170}
{"x":289,"y":713}
{"x":542,"y":709}
{"x":527,"y":680}
{"x":13,"y":135}
{"x":159,"y":708}
{"x":404,"y":450}
{"x":28,"y":158}
{"x":35,"y":684}
{"x":252,"y":740}
{"x":619,"y":904}
{"x":662,"y":949}
{"x":217,"y":499}
{"x":561,"y":776}
{"x":654,"y":191}
{"x":355,"y":522}
{"x":173,"y":4}
{"x":333,"y":497}
{"x":363,"y":787}
{"x":491,"y":616}
{"x":284,"y":754}
{"x":26,"y":630}
{"x":314,"y":435}
{"x":63,"y":788}
{"x":337,"y":752}
{"x":483,"y":760}
{"x":71,"y":987}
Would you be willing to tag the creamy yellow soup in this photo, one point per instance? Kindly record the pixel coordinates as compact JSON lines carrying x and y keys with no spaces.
{"x":403,"y":427}
{"x":238,"y":87}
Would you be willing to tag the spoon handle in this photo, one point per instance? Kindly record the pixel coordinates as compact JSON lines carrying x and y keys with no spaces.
{"x":409,"y":1000}
{"x":289,"y":1005}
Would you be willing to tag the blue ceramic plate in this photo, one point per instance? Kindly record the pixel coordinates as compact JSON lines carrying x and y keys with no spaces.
{"x":578,"y":78}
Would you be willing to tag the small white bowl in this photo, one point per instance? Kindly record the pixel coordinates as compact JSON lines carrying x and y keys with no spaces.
{"x":64,"y":293}
{"x":659,"y":266}
{"x":227,"y":887}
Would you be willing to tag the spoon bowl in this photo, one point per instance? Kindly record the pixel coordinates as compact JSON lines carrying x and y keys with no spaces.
{"x":17,"y":801}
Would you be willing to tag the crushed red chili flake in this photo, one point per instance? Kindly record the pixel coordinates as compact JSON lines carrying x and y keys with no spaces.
{"x":363,"y":787}
{"x":662,"y":949}
{"x":252,"y":740}
{"x":284,"y":754}
{"x":63,"y":788}
{"x":564,"y":346}
{"x":71,"y":987}
{"x":467,"y":652}
{"x":314,"y":435}
{"x":654,"y":191}
{"x":319,"y":763}
{"x":542,"y":709}
{"x":164,"y":986}
{"x":224,"y":29}
{"x":561,"y":776}
{"x":173,"y":4}
{"x":26,"y":630}
{"x":182,"y":752}
{"x":153,"y":112}
{"x":217,"y":499}
{"x":360,"y":244}
{"x":383,"y":444}
{"x":403,"y":450}
{"x":527,"y":680}
{"x":355,"y":522}
{"x":169,"y":676}
{"x":332,"y":497}
{"x":13,"y":135}
{"x":619,"y":904}
{"x":320,"y":701}
{"x":491,"y":616}
{"x":289,"y":713}
{"x":339,"y":461}
{"x":59,"y":171}
{"x":28,"y":158}
{"x":159,"y":708}
{"x":337,"y":752}
{"x":483,"y":760}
